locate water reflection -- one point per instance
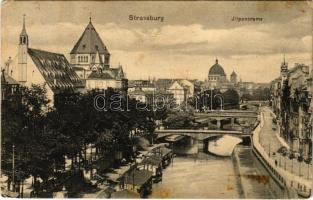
(201, 176)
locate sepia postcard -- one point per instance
(156, 99)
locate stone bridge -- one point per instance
(220, 115)
(200, 134)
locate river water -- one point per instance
(207, 176)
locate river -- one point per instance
(206, 176)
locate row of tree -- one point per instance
(36, 138)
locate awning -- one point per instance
(174, 138)
(138, 177)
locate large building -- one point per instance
(51, 70)
(217, 75)
(217, 78)
(90, 59)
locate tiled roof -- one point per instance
(6, 79)
(56, 70)
(89, 42)
(101, 75)
(110, 73)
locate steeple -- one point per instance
(284, 66)
(23, 35)
(22, 55)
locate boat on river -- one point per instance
(223, 146)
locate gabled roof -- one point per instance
(90, 42)
(56, 70)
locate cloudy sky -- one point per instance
(184, 45)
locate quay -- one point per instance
(286, 179)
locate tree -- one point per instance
(179, 120)
(231, 99)
(23, 116)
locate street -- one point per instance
(271, 143)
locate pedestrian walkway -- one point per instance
(271, 143)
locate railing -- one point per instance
(172, 131)
(283, 177)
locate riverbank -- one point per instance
(254, 183)
(289, 181)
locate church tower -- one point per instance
(233, 78)
(284, 71)
(22, 55)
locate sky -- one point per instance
(185, 45)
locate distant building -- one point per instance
(8, 85)
(181, 89)
(107, 78)
(217, 79)
(151, 97)
(144, 85)
(90, 59)
(48, 69)
(216, 75)
(233, 78)
(179, 92)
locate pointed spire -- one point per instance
(24, 29)
(89, 17)
(216, 61)
(24, 21)
(284, 59)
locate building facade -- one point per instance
(90, 59)
(291, 101)
(48, 69)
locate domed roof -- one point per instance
(217, 69)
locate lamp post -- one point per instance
(211, 98)
(13, 169)
(308, 170)
(299, 168)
